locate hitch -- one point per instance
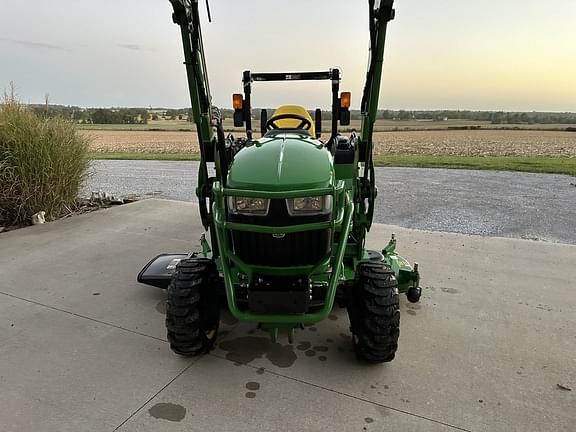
(275, 328)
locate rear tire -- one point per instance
(374, 312)
(192, 309)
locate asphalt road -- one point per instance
(488, 203)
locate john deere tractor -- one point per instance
(287, 209)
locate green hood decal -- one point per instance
(282, 163)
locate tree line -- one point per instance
(142, 115)
(94, 115)
(495, 117)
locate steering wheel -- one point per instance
(304, 122)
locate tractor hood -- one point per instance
(284, 162)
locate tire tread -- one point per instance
(192, 307)
(374, 313)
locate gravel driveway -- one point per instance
(488, 203)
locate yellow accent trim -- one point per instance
(293, 123)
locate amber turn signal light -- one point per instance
(237, 101)
(345, 99)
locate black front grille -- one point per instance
(295, 249)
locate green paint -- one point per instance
(287, 165)
(229, 267)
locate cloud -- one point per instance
(134, 47)
(35, 45)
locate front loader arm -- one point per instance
(380, 15)
(206, 117)
(381, 12)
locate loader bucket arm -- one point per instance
(379, 18)
(205, 116)
(380, 13)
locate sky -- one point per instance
(512, 55)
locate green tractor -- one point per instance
(287, 215)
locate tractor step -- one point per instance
(158, 272)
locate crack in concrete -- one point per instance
(412, 414)
(82, 316)
(156, 394)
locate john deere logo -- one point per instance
(278, 235)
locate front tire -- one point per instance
(374, 312)
(192, 308)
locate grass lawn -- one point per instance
(534, 164)
(498, 163)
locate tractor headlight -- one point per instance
(248, 206)
(309, 206)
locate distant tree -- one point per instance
(79, 115)
(141, 115)
(172, 114)
(497, 117)
(102, 116)
(404, 115)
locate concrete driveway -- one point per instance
(491, 346)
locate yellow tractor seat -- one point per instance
(293, 123)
